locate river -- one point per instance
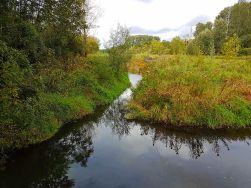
(105, 150)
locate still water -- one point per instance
(105, 150)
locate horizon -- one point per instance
(156, 17)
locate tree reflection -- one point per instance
(197, 141)
(48, 164)
(114, 117)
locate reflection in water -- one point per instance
(51, 161)
(49, 164)
(113, 117)
(74, 148)
(197, 141)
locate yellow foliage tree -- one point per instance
(157, 47)
(232, 46)
(92, 44)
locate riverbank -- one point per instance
(61, 94)
(103, 144)
(194, 91)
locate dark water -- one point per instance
(107, 151)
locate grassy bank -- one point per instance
(195, 91)
(56, 93)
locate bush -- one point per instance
(193, 48)
(246, 41)
(177, 46)
(245, 51)
(231, 47)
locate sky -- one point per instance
(163, 18)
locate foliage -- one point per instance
(32, 109)
(237, 21)
(245, 51)
(34, 26)
(118, 48)
(157, 47)
(200, 27)
(46, 78)
(139, 44)
(137, 63)
(205, 41)
(232, 20)
(220, 34)
(141, 40)
(194, 91)
(177, 46)
(232, 46)
(92, 44)
(246, 41)
(193, 48)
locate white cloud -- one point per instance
(159, 17)
(145, 1)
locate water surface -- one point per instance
(105, 150)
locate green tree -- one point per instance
(193, 48)
(237, 21)
(71, 15)
(246, 41)
(141, 40)
(24, 23)
(219, 33)
(15, 71)
(232, 46)
(200, 27)
(92, 44)
(118, 48)
(205, 41)
(157, 47)
(178, 46)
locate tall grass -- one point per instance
(195, 91)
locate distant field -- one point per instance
(139, 61)
(194, 91)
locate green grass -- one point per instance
(63, 94)
(195, 91)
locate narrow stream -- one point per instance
(105, 150)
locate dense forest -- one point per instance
(50, 68)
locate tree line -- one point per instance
(230, 34)
(42, 27)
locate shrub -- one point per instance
(193, 48)
(177, 46)
(245, 51)
(231, 47)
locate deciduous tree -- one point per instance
(232, 46)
